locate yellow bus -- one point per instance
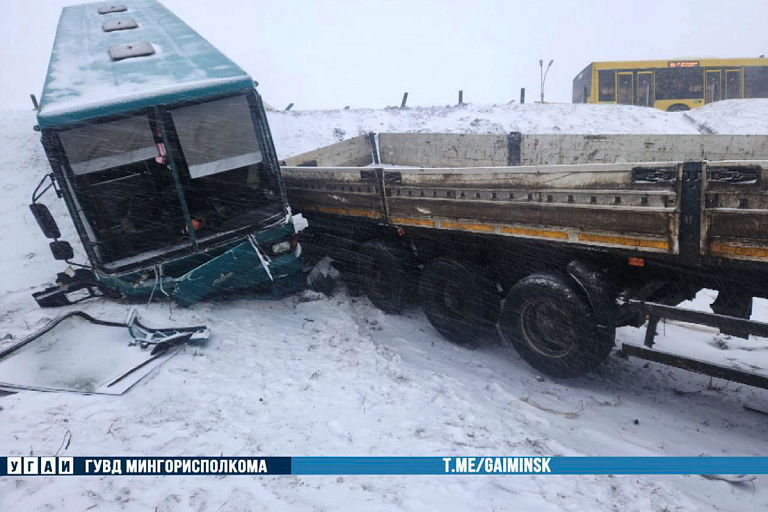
(671, 85)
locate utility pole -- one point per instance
(544, 75)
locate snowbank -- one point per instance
(300, 131)
(734, 117)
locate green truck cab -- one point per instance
(160, 147)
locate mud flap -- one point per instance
(79, 353)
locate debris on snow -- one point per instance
(569, 415)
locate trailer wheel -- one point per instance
(383, 275)
(453, 300)
(552, 328)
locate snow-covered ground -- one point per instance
(312, 375)
(300, 131)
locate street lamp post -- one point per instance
(544, 75)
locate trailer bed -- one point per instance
(699, 212)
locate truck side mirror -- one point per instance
(45, 220)
(62, 250)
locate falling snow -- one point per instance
(318, 375)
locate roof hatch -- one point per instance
(123, 24)
(127, 51)
(112, 8)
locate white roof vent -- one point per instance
(123, 24)
(127, 51)
(112, 8)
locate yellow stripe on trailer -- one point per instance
(412, 222)
(738, 250)
(620, 240)
(354, 212)
(466, 226)
(534, 232)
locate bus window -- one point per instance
(625, 88)
(645, 88)
(732, 84)
(607, 83)
(582, 85)
(756, 82)
(676, 85)
(113, 144)
(120, 183)
(229, 185)
(679, 83)
(713, 85)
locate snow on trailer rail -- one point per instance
(554, 257)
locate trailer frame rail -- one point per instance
(656, 312)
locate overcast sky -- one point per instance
(328, 54)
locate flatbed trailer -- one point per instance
(551, 257)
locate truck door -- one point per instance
(712, 86)
(644, 88)
(625, 90)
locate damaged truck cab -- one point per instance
(160, 147)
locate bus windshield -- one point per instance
(217, 136)
(226, 182)
(119, 177)
(124, 183)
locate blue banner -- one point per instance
(488, 465)
(448, 465)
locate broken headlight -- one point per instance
(284, 246)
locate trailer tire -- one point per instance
(552, 327)
(383, 274)
(453, 300)
(678, 107)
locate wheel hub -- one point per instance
(453, 298)
(548, 329)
